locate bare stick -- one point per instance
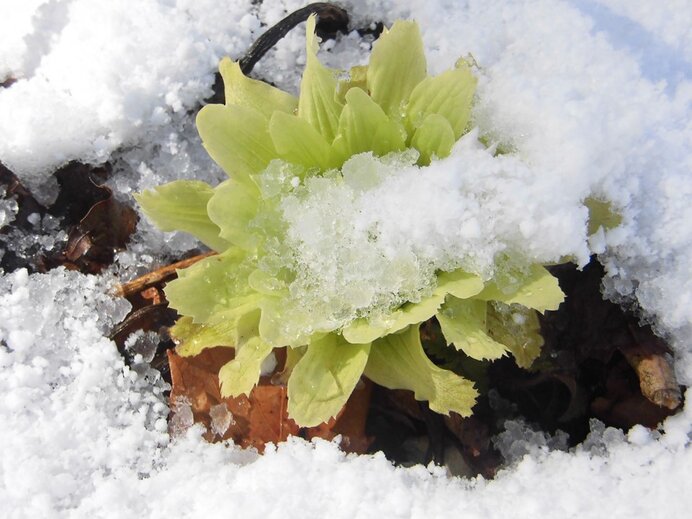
(325, 12)
(656, 378)
(165, 273)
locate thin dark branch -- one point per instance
(328, 15)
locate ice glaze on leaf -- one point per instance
(243, 91)
(463, 324)
(398, 361)
(324, 378)
(241, 374)
(317, 103)
(364, 330)
(539, 290)
(397, 65)
(182, 206)
(237, 138)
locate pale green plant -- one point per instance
(269, 143)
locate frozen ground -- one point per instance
(593, 96)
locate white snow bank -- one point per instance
(669, 22)
(106, 75)
(559, 81)
(82, 436)
(577, 106)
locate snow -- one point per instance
(406, 223)
(593, 97)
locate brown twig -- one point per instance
(656, 378)
(162, 274)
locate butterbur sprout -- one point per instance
(252, 296)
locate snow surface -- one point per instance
(593, 97)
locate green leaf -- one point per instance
(317, 103)
(208, 285)
(463, 324)
(298, 142)
(601, 214)
(267, 284)
(539, 289)
(449, 94)
(233, 206)
(363, 126)
(324, 378)
(237, 138)
(433, 139)
(357, 78)
(398, 361)
(458, 283)
(182, 206)
(397, 65)
(243, 91)
(241, 374)
(364, 330)
(232, 327)
(518, 328)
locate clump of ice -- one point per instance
(520, 439)
(142, 346)
(221, 418)
(8, 208)
(181, 418)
